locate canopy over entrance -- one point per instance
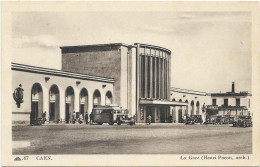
(162, 102)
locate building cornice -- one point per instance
(154, 47)
(187, 91)
(230, 94)
(95, 45)
(61, 73)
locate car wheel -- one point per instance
(100, 123)
(118, 122)
(111, 123)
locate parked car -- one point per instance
(243, 121)
(211, 119)
(194, 119)
(226, 119)
(111, 115)
(35, 122)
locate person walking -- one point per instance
(80, 119)
(44, 117)
(91, 118)
(86, 118)
(73, 117)
(149, 118)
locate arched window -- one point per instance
(83, 102)
(192, 107)
(108, 98)
(69, 104)
(54, 104)
(197, 107)
(96, 98)
(36, 102)
(187, 107)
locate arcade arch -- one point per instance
(36, 102)
(83, 101)
(109, 98)
(54, 104)
(96, 98)
(69, 104)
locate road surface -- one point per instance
(137, 139)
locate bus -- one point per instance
(111, 115)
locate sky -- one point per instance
(210, 50)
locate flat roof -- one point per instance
(98, 45)
(61, 73)
(187, 91)
(161, 102)
(154, 47)
(231, 94)
(116, 44)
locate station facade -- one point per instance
(141, 72)
(56, 92)
(195, 103)
(135, 77)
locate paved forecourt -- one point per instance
(137, 139)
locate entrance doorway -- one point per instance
(162, 115)
(67, 113)
(34, 114)
(54, 104)
(52, 112)
(69, 104)
(82, 109)
(36, 103)
(150, 111)
(83, 102)
(180, 115)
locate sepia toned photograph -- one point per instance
(131, 83)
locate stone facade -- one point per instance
(52, 90)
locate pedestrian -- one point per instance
(44, 117)
(149, 118)
(73, 117)
(134, 118)
(86, 118)
(80, 119)
(91, 118)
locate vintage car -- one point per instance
(210, 119)
(111, 115)
(226, 119)
(243, 121)
(35, 122)
(193, 119)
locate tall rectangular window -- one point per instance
(214, 102)
(248, 103)
(153, 76)
(157, 78)
(142, 75)
(238, 102)
(148, 70)
(225, 102)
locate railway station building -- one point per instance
(141, 72)
(56, 92)
(196, 102)
(135, 77)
